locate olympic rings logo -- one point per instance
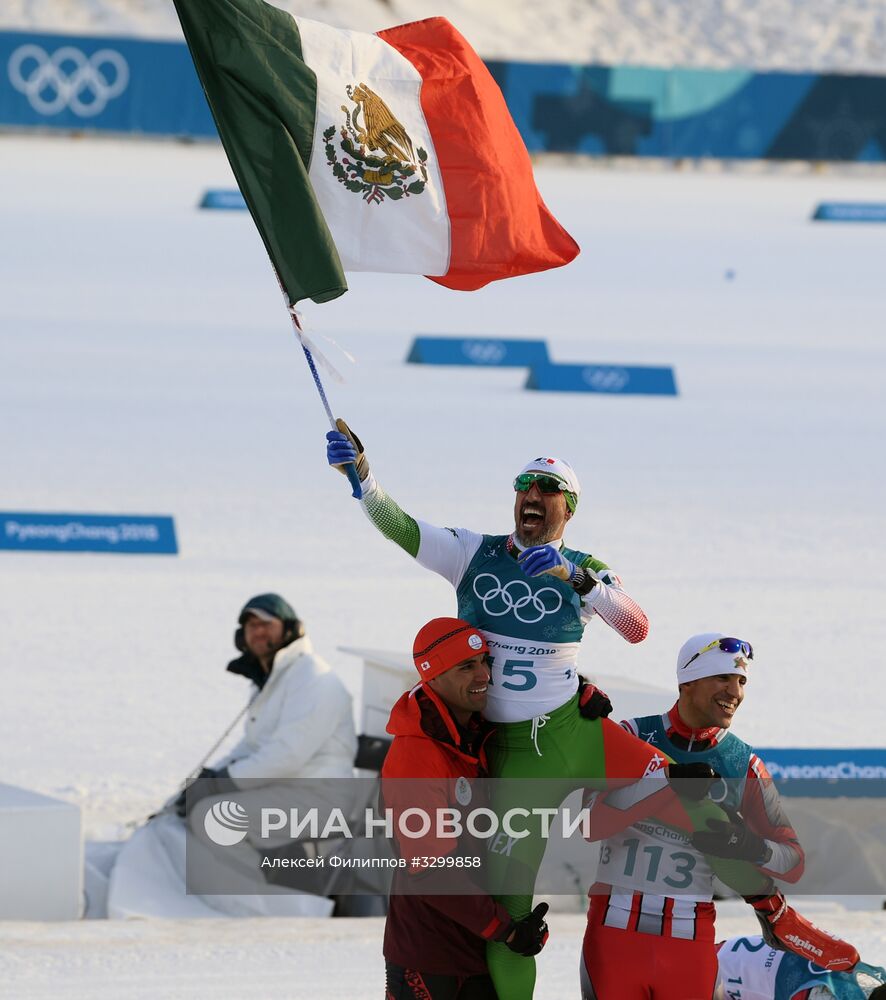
(68, 79)
(516, 596)
(484, 352)
(721, 793)
(605, 379)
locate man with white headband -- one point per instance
(650, 930)
(531, 597)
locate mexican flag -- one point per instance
(386, 152)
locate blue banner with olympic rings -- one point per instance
(109, 84)
(79, 83)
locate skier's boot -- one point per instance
(785, 929)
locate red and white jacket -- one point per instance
(651, 877)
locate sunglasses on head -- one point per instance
(727, 645)
(546, 484)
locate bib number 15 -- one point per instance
(520, 675)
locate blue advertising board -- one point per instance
(847, 211)
(226, 200)
(123, 533)
(492, 352)
(827, 772)
(642, 380)
(679, 112)
(128, 85)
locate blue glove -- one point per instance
(345, 453)
(339, 449)
(539, 559)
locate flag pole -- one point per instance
(350, 468)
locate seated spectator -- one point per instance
(297, 740)
(299, 721)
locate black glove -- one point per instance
(527, 937)
(878, 994)
(207, 782)
(732, 839)
(592, 702)
(692, 781)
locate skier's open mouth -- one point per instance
(532, 515)
(477, 691)
(726, 707)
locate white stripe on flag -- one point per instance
(407, 235)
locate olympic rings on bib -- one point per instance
(516, 596)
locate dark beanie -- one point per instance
(268, 604)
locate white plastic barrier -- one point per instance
(385, 677)
(41, 857)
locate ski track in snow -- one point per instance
(150, 368)
(814, 35)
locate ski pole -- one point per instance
(193, 774)
(133, 823)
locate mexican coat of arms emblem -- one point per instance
(375, 156)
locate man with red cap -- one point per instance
(434, 944)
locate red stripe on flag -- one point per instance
(500, 227)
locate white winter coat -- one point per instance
(300, 724)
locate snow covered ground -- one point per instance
(148, 367)
(282, 959)
(836, 35)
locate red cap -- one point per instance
(443, 643)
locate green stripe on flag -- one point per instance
(263, 99)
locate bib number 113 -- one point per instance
(681, 863)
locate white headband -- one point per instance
(555, 467)
(701, 656)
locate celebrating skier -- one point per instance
(531, 597)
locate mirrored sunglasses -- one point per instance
(546, 484)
